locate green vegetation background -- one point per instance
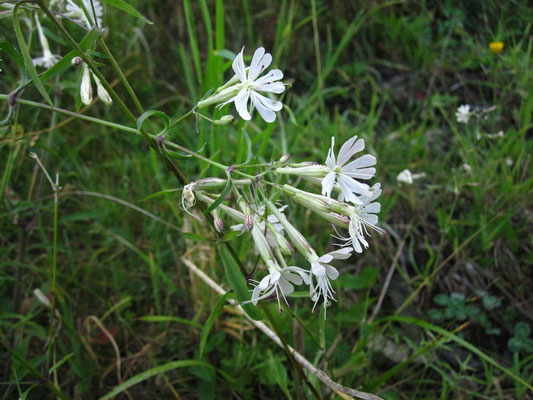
(458, 248)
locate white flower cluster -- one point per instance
(275, 237)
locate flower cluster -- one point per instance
(275, 237)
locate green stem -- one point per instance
(73, 114)
(180, 118)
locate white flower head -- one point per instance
(48, 59)
(463, 114)
(345, 173)
(363, 218)
(76, 12)
(250, 85)
(323, 272)
(405, 177)
(279, 282)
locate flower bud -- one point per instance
(102, 92)
(219, 224)
(284, 159)
(86, 91)
(262, 246)
(248, 221)
(248, 214)
(225, 120)
(282, 243)
(76, 61)
(297, 239)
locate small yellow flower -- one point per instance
(496, 47)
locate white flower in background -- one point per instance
(344, 173)
(76, 12)
(48, 59)
(362, 218)
(279, 282)
(463, 114)
(250, 86)
(405, 177)
(323, 272)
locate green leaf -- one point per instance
(60, 362)
(238, 283)
(167, 318)
(27, 57)
(122, 5)
(490, 302)
(8, 48)
(152, 372)
(230, 55)
(154, 113)
(65, 62)
(210, 321)
(522, 330)
(361, 281)
(222, 196)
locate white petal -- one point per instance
(271, 87)
(346, 189)
(363, 173)
(327, 184)
(241, 103)
(274, 75)
(269, 103)
(86, 91)
(330, 159)
(332, 272)
(373, 208)
(326, 258)
(341, 254)
(349, 148)
(260, 61)
(318, 269)
(294, 278)
(367, 160)
(285, 286)
(267, 114)
(353, 185)
(239, 68)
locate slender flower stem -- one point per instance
(182, 117)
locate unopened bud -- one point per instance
(282, 243)
(219, 224)
(86, 91)
(248, 221)
(284, 159)
(248, 214)
(76, 61)
(225, 120)
(297, 239)
(102, 92)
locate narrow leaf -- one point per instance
(220, 198)
(27, 57)
(122, 5)
(238, 283)
(210, 321)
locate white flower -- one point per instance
(463, 114)
(364, 217)
(48, 59)
(75, 12)
(346, 174)
(279, 281)
(250, 86)
(323, 272)
(405, 177)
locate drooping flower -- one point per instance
(344, 173)
(251, 85)
(322, 272)
(280, 281)
(76, 12)
(86, 90)
(463, 114)
(363, 218)
(48, 59)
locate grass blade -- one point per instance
(210, 321)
